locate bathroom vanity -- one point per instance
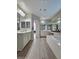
(54, 42)
(23, 37)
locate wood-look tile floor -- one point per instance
(39, 50)
(23, 53)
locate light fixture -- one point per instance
(45, 9)
(21, 12)
(42, 21)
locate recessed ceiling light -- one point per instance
(21, 12)
(42, 22)
(45, 9)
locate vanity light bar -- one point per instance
(21, 12)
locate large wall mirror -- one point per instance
(22, 22)
(49, 27)
(25, 24)
(43, 27)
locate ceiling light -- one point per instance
(21, 12)
(42, 22)
(45, 9)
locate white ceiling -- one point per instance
(37, 7)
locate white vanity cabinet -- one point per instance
(22, 40)
(55, 45)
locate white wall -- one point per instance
(36, 19)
